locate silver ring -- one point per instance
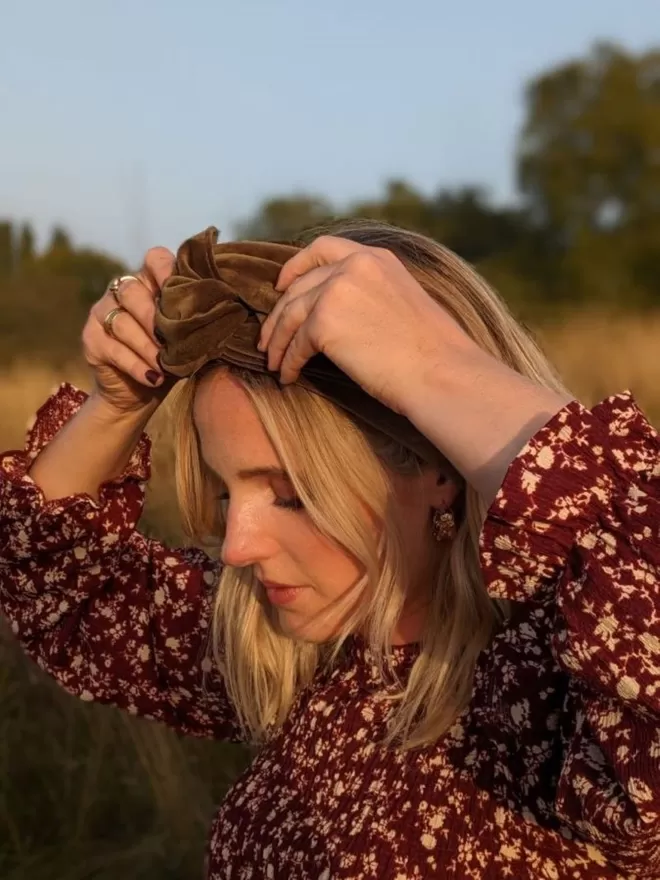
(109, 320)
(116, 284)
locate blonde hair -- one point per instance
(264, 669)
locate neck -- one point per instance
(410, 626)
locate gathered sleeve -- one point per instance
(113, 616)
(579, 514)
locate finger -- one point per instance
(321, 252)
(158, 266)
(120, 285)
(139, 301)
(104, 349)
(302, 285)
(129, 363)
(130, 333)
(288, 323)
(300, 350)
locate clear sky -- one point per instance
(137, 122)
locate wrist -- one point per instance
(107, 415)
(444, 376)
(479, 412)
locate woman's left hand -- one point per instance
(360, 307)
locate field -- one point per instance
(86, 792)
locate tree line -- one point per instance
(582, 231)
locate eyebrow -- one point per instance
(252, 473)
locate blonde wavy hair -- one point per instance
(264, 669)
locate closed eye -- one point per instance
(284, 503)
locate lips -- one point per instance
(281, 594)
(273, 585)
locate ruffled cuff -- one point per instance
(562, 482)
(29, 524)
(59, 409)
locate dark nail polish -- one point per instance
(152, 376)
(159, 336)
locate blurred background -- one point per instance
(524, 136)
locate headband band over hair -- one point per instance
(211, 310)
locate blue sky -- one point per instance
(138, 122)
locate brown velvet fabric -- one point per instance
(212, 309)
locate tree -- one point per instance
(89, 270)
(467, 223)
(402, 205)
(284, 218)
(60, 241)
(6, 248)
(589, 173)
(26, 247)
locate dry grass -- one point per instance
(25, 386)
(604, 353)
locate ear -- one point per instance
(443, 488)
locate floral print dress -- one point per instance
(552, 771)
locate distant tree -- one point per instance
(589, 171)
(26, 246)
(465, 221)
(6, 248)
(60, 241)
(402, 205)
(284, 218)
(89, 270)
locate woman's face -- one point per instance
(268, 530)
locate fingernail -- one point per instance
(159, 336)
(152, 376)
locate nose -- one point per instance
(246, 541)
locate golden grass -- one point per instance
(25, 386)
(599, 354)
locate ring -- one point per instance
(109, 319)
(116, 283)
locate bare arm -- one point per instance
(95, 445)
(479, 413)
(92, 448)
(112, 616)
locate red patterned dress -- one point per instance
(553, 770)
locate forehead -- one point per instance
(228, 425)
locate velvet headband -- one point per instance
(211, 310)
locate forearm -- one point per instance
(91, 448)
(479, 413)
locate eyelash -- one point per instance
(283, 503)
(288, 503)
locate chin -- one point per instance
(304, 630)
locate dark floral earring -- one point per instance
(443, 525)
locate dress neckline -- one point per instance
(362, 665)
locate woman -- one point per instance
(437, 605)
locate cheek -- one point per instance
(414, 528)
(327, 567)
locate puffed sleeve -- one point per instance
(113, 616)
(579, 514)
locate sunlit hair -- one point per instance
(344, 490)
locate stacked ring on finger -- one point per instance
(116, 284)
(109, 320)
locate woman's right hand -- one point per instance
(127, 375)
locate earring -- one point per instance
(444, 525)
